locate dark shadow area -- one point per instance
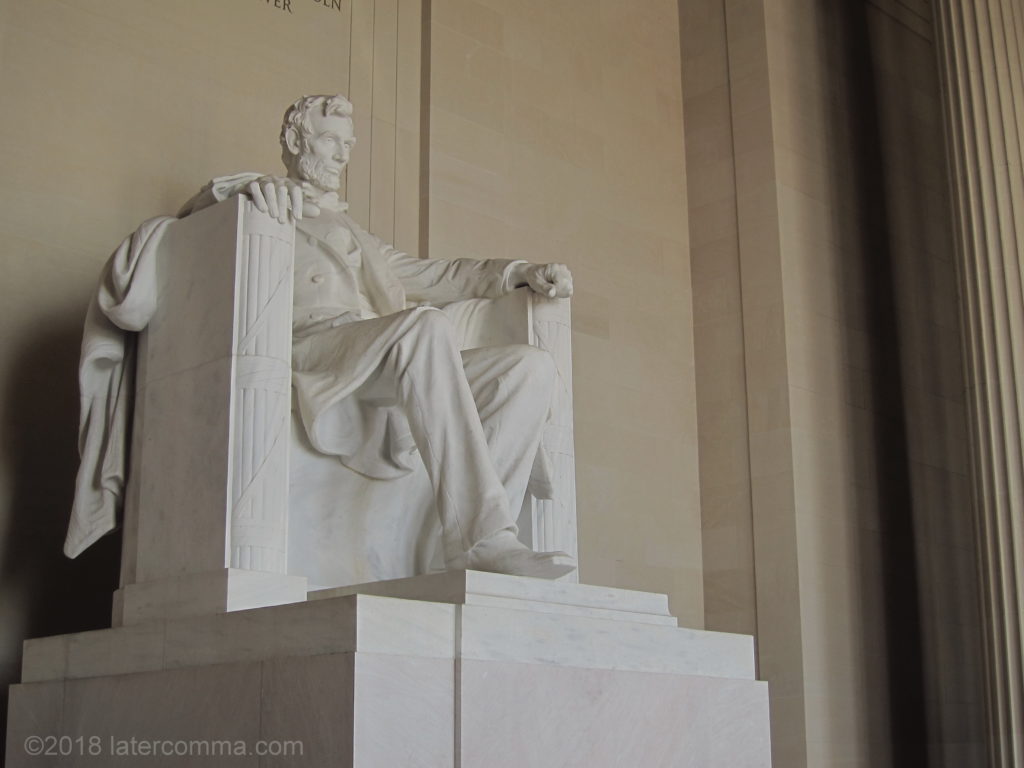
(891, 612)
(48, 594)
(916, 549)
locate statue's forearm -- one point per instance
(217, 190)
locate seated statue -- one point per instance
(378, 377)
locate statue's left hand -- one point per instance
(276, 195)
(551, 280)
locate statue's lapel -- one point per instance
(312, 235)
(386, 292)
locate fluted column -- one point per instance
(980, 56)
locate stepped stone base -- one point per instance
(461, 669)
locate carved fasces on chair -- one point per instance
(262, 395)
(554, 520)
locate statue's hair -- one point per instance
(297, 117)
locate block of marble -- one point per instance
(370, 680)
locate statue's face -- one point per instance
(325, 154)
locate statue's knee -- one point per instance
(537, 365)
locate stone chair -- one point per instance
(227, 506)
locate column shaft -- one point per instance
(979, 48)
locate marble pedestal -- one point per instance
(459, 669)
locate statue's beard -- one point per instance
(312, 170)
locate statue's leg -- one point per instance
(433, 391)
(431, 387)
(512, 386)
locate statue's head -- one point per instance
(316, 139)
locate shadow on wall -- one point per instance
(41, 591)
(890, 580)
(919, 633)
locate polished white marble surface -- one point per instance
(405, 711)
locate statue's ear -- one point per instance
(291, 140)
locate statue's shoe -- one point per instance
(504, 553)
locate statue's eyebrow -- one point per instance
(338, 136)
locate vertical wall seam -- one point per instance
(743, 327)
(348, 84)
(370, 90)
(425, 74)
(394, 145)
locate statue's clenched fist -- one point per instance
(551, 280)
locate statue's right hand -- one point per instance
(276, 195)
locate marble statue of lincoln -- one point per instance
(374, 359)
